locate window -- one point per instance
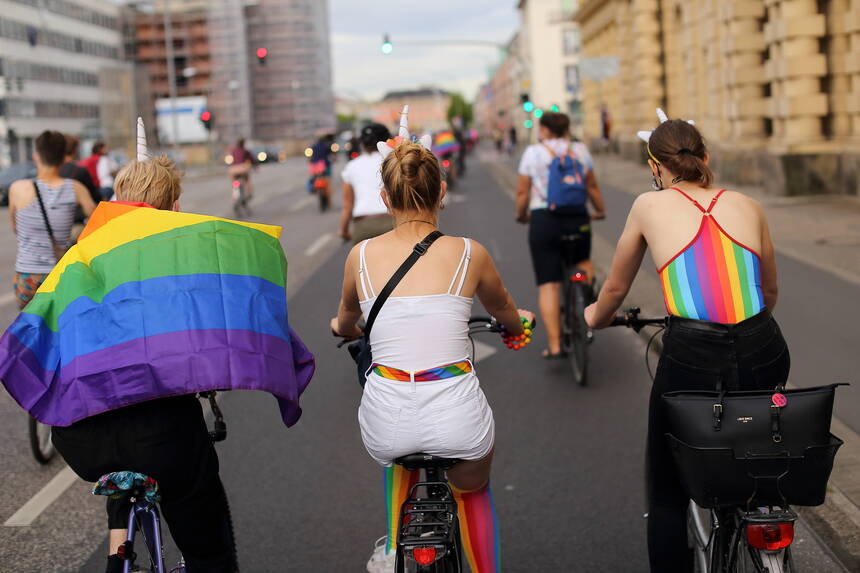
(570, 41)
(571, 76)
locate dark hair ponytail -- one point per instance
(680, 147)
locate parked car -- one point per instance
(11, 174)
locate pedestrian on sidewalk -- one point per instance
(42, 212)
(91, 163)
(362, 190)
(720, 288)
(107, 169)
(72, 170)
(551, 217)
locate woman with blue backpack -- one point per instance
(556, 184)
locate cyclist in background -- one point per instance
(72, 170)
(362, 190)
(240, 167)
(549, 222)
(719, 291)
(448, 414)
(166, 438)
(320, 169)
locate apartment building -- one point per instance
(62, 67)
(774, 85)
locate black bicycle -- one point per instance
(144, 517)
(731, 539)
(240, 196)
(577, 293)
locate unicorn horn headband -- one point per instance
(646, 135)
(386, 147)
(142, 150)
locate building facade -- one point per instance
(428, 109)
(62, 67)
(774, 85)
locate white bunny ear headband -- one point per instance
(646, 135)
(386, 147)
(142, 150)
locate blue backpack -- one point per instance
(566, 190)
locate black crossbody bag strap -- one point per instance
(44, 213)
(417, 252)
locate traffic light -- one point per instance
(261, 56)
(554, 109)
(206, 119)
(538, 113)
(528, 124)
(387, 46)
(528, 105)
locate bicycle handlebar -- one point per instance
(631, 319)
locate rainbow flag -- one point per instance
(444, 142)
(151, 304)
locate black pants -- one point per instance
(546, 230)
(698, 355)
(166, 439)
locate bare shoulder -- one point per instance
(741, 199)
(21, 186)
(647, 202)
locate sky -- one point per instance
(361, 70)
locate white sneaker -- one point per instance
(379, 562)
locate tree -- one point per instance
(459, 107)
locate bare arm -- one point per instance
(625, 264)
(346, 212)
(492, 292)
(84, 199)
(524, 185)
(768, 263)
(349, 310)
(595, 196)
(14, 192)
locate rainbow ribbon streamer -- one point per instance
(439, 373)
(151, 304)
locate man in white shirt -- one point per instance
(106, 169)
(362, 190)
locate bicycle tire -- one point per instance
(578, 352)
(40, 441)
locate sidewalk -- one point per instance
(821, 231)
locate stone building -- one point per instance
(774, 85)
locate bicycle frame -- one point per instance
(144, 515)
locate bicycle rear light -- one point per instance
(770, 536)
(426, 555)
(446, 164)
(236, 183)
(578, 277)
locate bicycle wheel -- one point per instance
(699, 536)
(40, 441)
(578, 352)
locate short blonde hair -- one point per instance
(155, 181)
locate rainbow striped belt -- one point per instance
(439, 373)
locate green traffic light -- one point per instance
(528, 124)
(528, 106)
(554, 109)
(538, 113)
(387, 48)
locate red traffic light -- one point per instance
(205, 116)
(262, 53)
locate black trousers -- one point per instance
(698, 355)
(166, 439)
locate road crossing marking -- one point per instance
(45, 497)
(317, 245)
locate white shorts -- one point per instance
(447, 418)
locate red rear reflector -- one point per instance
(770, 536)
(424, 555)
(446, 163)
(236, 183)
(578, 278)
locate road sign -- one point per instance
(599, 68)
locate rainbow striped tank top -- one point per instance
(714, 278)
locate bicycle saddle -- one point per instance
(121, 484)
(421, 461)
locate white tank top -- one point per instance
(416, 333)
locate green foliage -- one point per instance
(459, 107)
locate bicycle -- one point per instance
(428, 532)
(40, 441)
(730, 539)
(577, 293)
(144, 516)
(240, 197)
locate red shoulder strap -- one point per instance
(714, 200)
(696, 203)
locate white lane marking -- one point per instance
(45, 497)
(483, 351)
(317, 245)
(7, 298)
(303, 203)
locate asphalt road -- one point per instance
(567, 476)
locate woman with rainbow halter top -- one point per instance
(715, 262)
